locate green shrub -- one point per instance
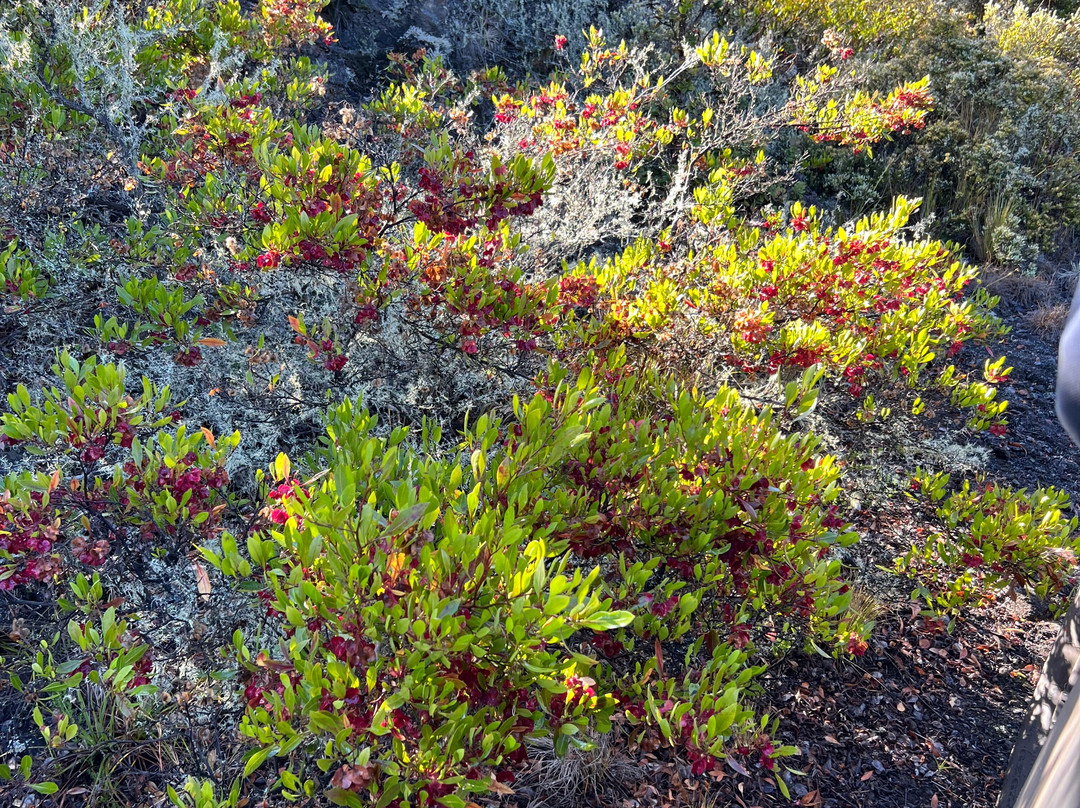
(869, 306)
(994, 165)
(1042, 35)
(861, 23)
(432, 608)
(112, 468)
(88, 691)
(19, 279)
(991, 537)
(202, 794)
(621, 555)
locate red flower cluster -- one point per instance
(322, 348)
(268, 260)
(245, 101)
(459, 196)
(260, 214)
(184, 477)
(91, 553)
(28, 537)
(189, 356)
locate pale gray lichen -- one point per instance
(436, 45)
(965, 457)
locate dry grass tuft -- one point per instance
(865, 607)
(580, 777)
(1017, 289)
(1048, 320)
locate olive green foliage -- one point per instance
(433, 607)
(859, 23)
(991, 537)
(996, 165)
(1052, 40)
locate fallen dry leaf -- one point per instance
(202, 580)
(19, 631)
(737, 767)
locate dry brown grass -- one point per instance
(1017, 289)
(865, 606)
(1048, 320)
(580, 777)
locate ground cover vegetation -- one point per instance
(499, 422)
